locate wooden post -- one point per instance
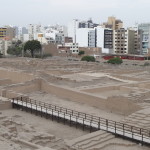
(31, 108)
(46, 113)
(58, 117)
(36, 110)
(22, 103)
(76, 122)
(26, 105)
(52, 114)
(41, 111)
(64, 118)
(90, 126)
(83, 124)
(123, 129)
(70, 120)
(115, 127)
(107, 124)
(13, 104)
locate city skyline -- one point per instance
(48, 12)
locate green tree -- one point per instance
(88, 58)
(32, 46)
(115, 60)
(16, 48)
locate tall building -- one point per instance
(137, 40)
(87, 24)
(74, 25)
(33, 30)
(56, 34)
(86, 37)
(104, 39)
(7, 33)
(124, 41)
(113, 23)
(95, 37)
(145, 27)
(4, 45)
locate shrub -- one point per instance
(81, 53)
(115, 60)
(46, 55)
(88, 58)
(146, 64)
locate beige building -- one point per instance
(113, 23)
(7, 33)
(124, 41)
(127, 41)
(137, 40)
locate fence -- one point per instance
(82, 119)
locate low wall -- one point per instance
(108, 88)
(4, 82)
(26, 87)
(119, 105)
(128, 78)
(5, 103)
(76, 96)
(15, 76)
(97, 90)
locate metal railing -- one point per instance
(87, 120)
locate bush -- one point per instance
(1, 55)
(88, 58)
(146, 64)
(81, 53)
(115, 60)
(46, 55)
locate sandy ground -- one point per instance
(52, 99)
(44, 125)
(76, 75)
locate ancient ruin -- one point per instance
(120, 93)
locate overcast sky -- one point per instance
(48, 12)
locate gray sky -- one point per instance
(24, 12)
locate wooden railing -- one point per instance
(136, 133)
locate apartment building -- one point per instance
(86, 37)
(137, 40)
(124, 41)
(145, 27)
(56, 34)
(113, 23)
(75, 24)
(7, 33)
(68, 49)
(87, 24)
(4, 45)
(72, 27)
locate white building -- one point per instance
(41, 38)
(56, 33)
(4, 45)
(72, 29)
(72, 47)
(33, 30)
(145, 27)
(85, 37)
(104, 38)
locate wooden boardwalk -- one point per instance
(81, 119)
